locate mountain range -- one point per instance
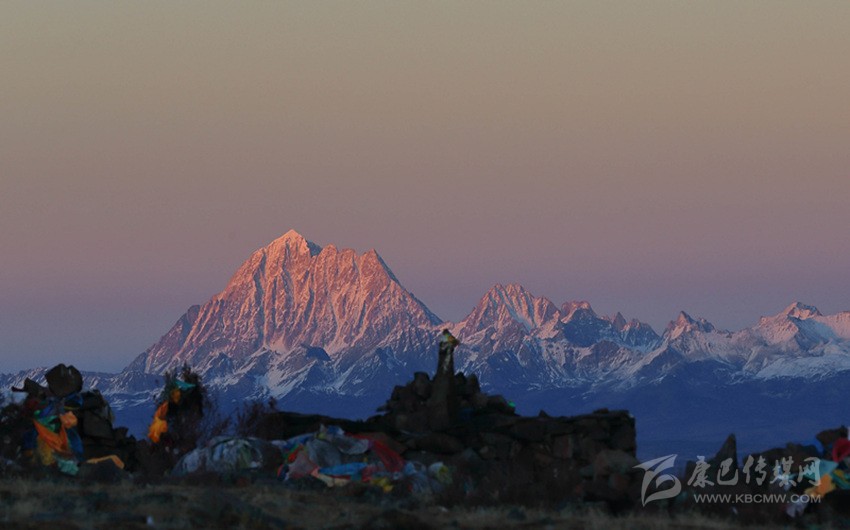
(328, 330)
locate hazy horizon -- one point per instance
(647, 157)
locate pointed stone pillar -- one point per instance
(442, 405)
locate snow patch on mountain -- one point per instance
(325, 327)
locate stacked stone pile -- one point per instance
(93, 416)
(100, 437)
(590, 457)
(496, 454)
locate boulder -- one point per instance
(529, 430)
(437, 442)
(64, 380)
(498, 446)
(611, 461)
(421, 385)
(563, 447)
(499, 404)
(478, 400)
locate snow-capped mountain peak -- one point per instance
(684, 323)
(685, 320)
(570, 308)
(801, 311)
(294, 242)
(619, 322)
(291, 295)
(507, 306)
(298, 321)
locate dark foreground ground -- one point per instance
(59, 504)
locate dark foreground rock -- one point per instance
(495, 454)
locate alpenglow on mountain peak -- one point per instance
(327, 328)
(294, 241)
(801, 311)
(294, 295)
(298, 318)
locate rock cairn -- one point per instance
(497, 455)
(589, 457)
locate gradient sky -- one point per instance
(646, 156)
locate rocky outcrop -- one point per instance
(495, 454)
(511, 457)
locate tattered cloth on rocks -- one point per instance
(54, 440)
(175, 392)
(337, 458)
(812, 478)
(329, 455)
(829, 476)
(69, 426)
(226, 454)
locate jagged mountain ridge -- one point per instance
(300, 318)
(328, 330)
(296, 314)
(296, 317)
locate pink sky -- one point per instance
(646, 156)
